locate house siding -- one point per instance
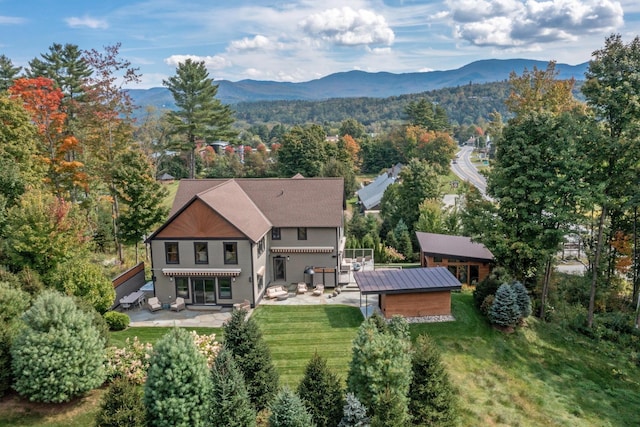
(484, 268)
(416, 304)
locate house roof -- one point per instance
(452, 246)
(371, 195)
(407, 280)
(284, 202)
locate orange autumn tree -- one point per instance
(42, 100)
(435, 147)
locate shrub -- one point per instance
(130, 362)
(505, 311)
(354, 413)
(86, 280)
(489, 285)
(58, 354)
(97, 320)
(177, 389)
(230, 404)
(13, 303)
(243, 337)
(522, 299)
(433, 399)
(321, 392)
(287, 410)
(116, 321)
(6, 379)
(207, 345)
(122, 406)
(486, 304)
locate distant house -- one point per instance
(411, 292)
(227, 240)
(166, 178)
(370, 195)
(468, 261)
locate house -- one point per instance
(468, 261)
(370, 195)
(227, 240)
(411, 292)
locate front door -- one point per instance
(279, 269)
(204, 291)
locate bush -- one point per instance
(522, 299)
(116, 321)
(178, 388)
(85, 280)
(505, 311)
(130, 362)
(96, 319)
(489, 286)
(6, 379)
(321, 392)
(59, 354)
(122, 406)
(354, 413)
(287, 410)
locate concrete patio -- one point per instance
(349, 295)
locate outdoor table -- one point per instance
(136, 297)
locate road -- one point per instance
(466, 171)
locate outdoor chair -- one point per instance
(178, 304)
(302, 288)
(154, 304)
(318, 290)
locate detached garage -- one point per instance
(413, 292)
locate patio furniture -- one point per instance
(276, 291)
(302, 288)
(244, 305)
(137, 297)
(153, 304)
(318, 290)
(178, 304)
(283, 297)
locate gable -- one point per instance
(199, 221)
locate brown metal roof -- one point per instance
(406, 281)
(459, 247)
(285, 202)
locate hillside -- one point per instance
(353, 84)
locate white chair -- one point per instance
(154, 304)
(178, 304)
(318, 290)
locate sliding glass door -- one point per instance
(204, 291)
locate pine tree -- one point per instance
(287, 410)
(505, 311)
(230, 404)
(523, 299)
(433, 400)
(8, 73)
(354, 413)
(243, 338)
(122, 406)
(178, 387)
(321, 392)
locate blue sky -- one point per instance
(301, 40)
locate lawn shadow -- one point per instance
(343, 316)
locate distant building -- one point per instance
(370, 195)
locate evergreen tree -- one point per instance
(8, 73)
(199, 114)
(354, 413)
(403, 239)
(58, 355)
(505, 311)
(321, 392)
(122, 406)
(230, 404)
(287, 410)
(522, 298)
(433, 400)
(244, 339)
(178, 386)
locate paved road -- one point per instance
(466, 171)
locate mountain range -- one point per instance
(354, 84)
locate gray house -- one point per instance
(227, 240)
(370, 195)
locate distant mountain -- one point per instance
(353, 84)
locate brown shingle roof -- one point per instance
(406, 280)
(285, 202)
(452, 246)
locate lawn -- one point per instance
(538, 376)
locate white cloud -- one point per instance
(215, 62)
(11, 20)
(258, 42)
(513, 23)
(88, 22)
(347, 26)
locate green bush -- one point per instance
(354, 413)
(489, 286)
(116, 321)
(178, 387)
(505, 311)
(287, 410)
(86, 280)
(122, 406)
(6, 379)
(522, 299)
(58, 355)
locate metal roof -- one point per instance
(408, 280)
(453, 247)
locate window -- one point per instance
(275, 233)
(302, 233)
(261, 246)
(202, 253)
(230, 253)
(171, 251)
(437, 258)
(182, 287)
(224, 287)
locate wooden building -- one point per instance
(412, 292)
(468, 261)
